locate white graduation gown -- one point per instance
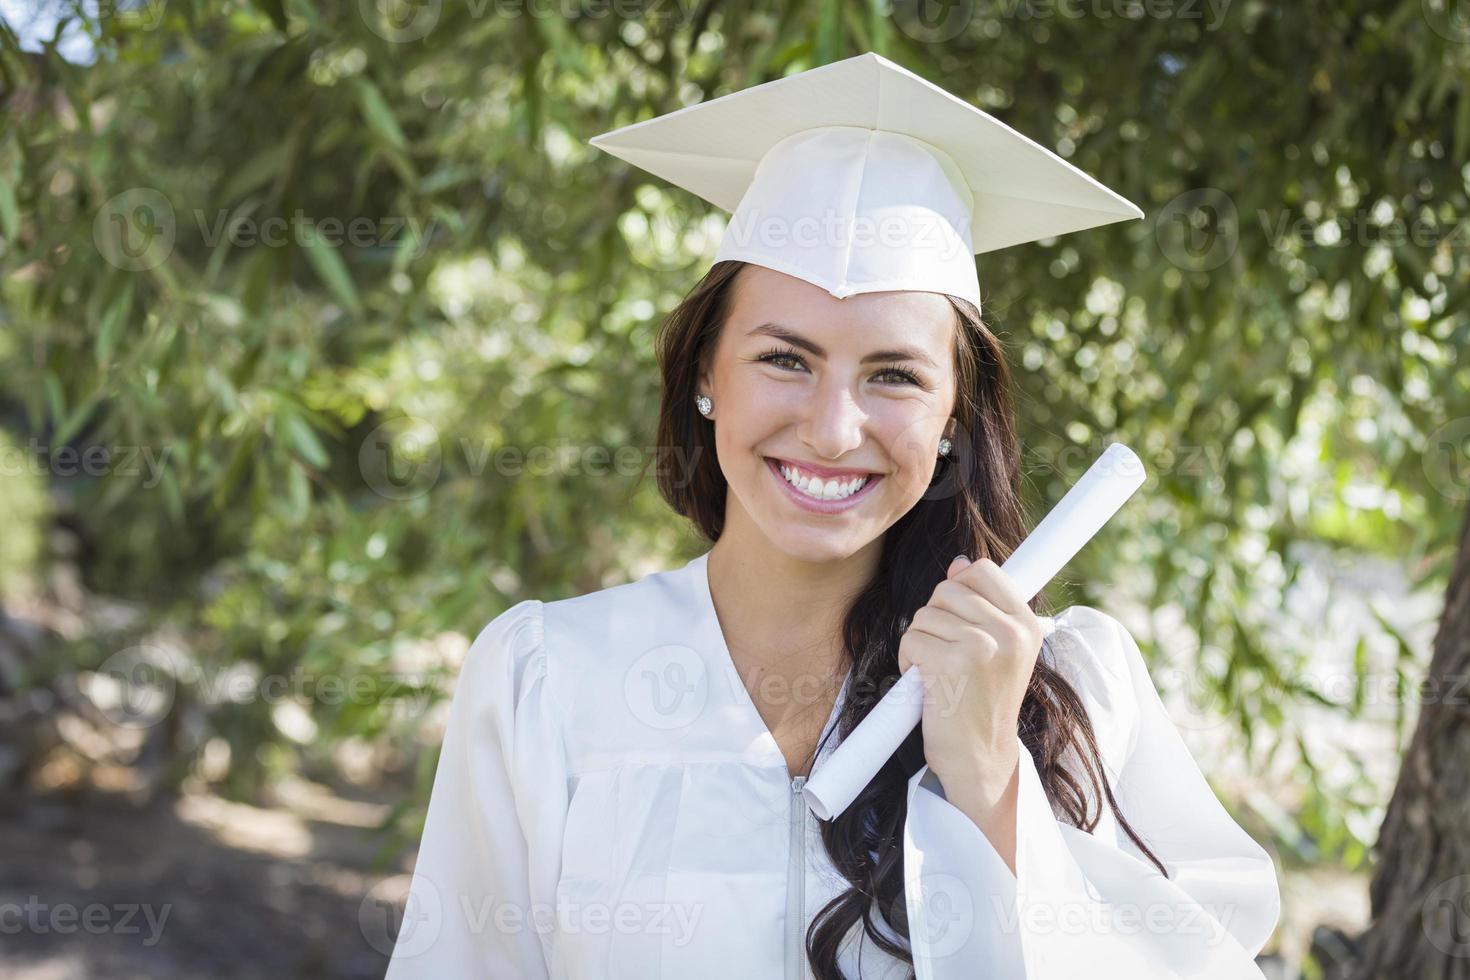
(609, 803)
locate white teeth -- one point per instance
(823, 489)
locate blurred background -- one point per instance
(327, 337)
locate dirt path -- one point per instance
(193, 887)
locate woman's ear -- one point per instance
(704, 383)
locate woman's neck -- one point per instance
(782, 615)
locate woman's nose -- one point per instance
(834, 423)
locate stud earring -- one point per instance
(945, 446)
(704, 405)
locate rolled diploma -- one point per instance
(1083, 510)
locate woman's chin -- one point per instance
(802, 541)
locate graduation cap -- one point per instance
(861, 176)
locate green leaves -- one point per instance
(302, 440)
(9, 210)
(391, 143)
(113, 322)
(275, 10)
(327, 260)
(1283, 400)
(379, 117)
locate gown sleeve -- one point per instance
(1079, 900)
(480, 902)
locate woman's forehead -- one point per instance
(910, 318)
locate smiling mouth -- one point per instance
(828, 489)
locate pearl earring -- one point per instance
(945, 446)
(704, 405)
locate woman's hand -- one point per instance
(975, 644)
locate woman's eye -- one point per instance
(903, 376)
(775, 358)
(891, 375)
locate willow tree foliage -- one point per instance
(356, 328)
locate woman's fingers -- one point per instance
(931, 632)
(987, 578)
(976, 607)
(942, 624)
(989, 603)
(961, 599)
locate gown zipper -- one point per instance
(796, 884)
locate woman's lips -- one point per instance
(821, 506)
(825, 472)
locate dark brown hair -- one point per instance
(973, 508)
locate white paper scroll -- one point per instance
(1079, 515)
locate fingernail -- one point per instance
(956, 558)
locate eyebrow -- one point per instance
(797, 340)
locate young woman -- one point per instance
(619, 790)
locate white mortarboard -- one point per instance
(861, 176)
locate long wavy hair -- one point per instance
(973, 508)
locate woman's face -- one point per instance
(852, 393)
